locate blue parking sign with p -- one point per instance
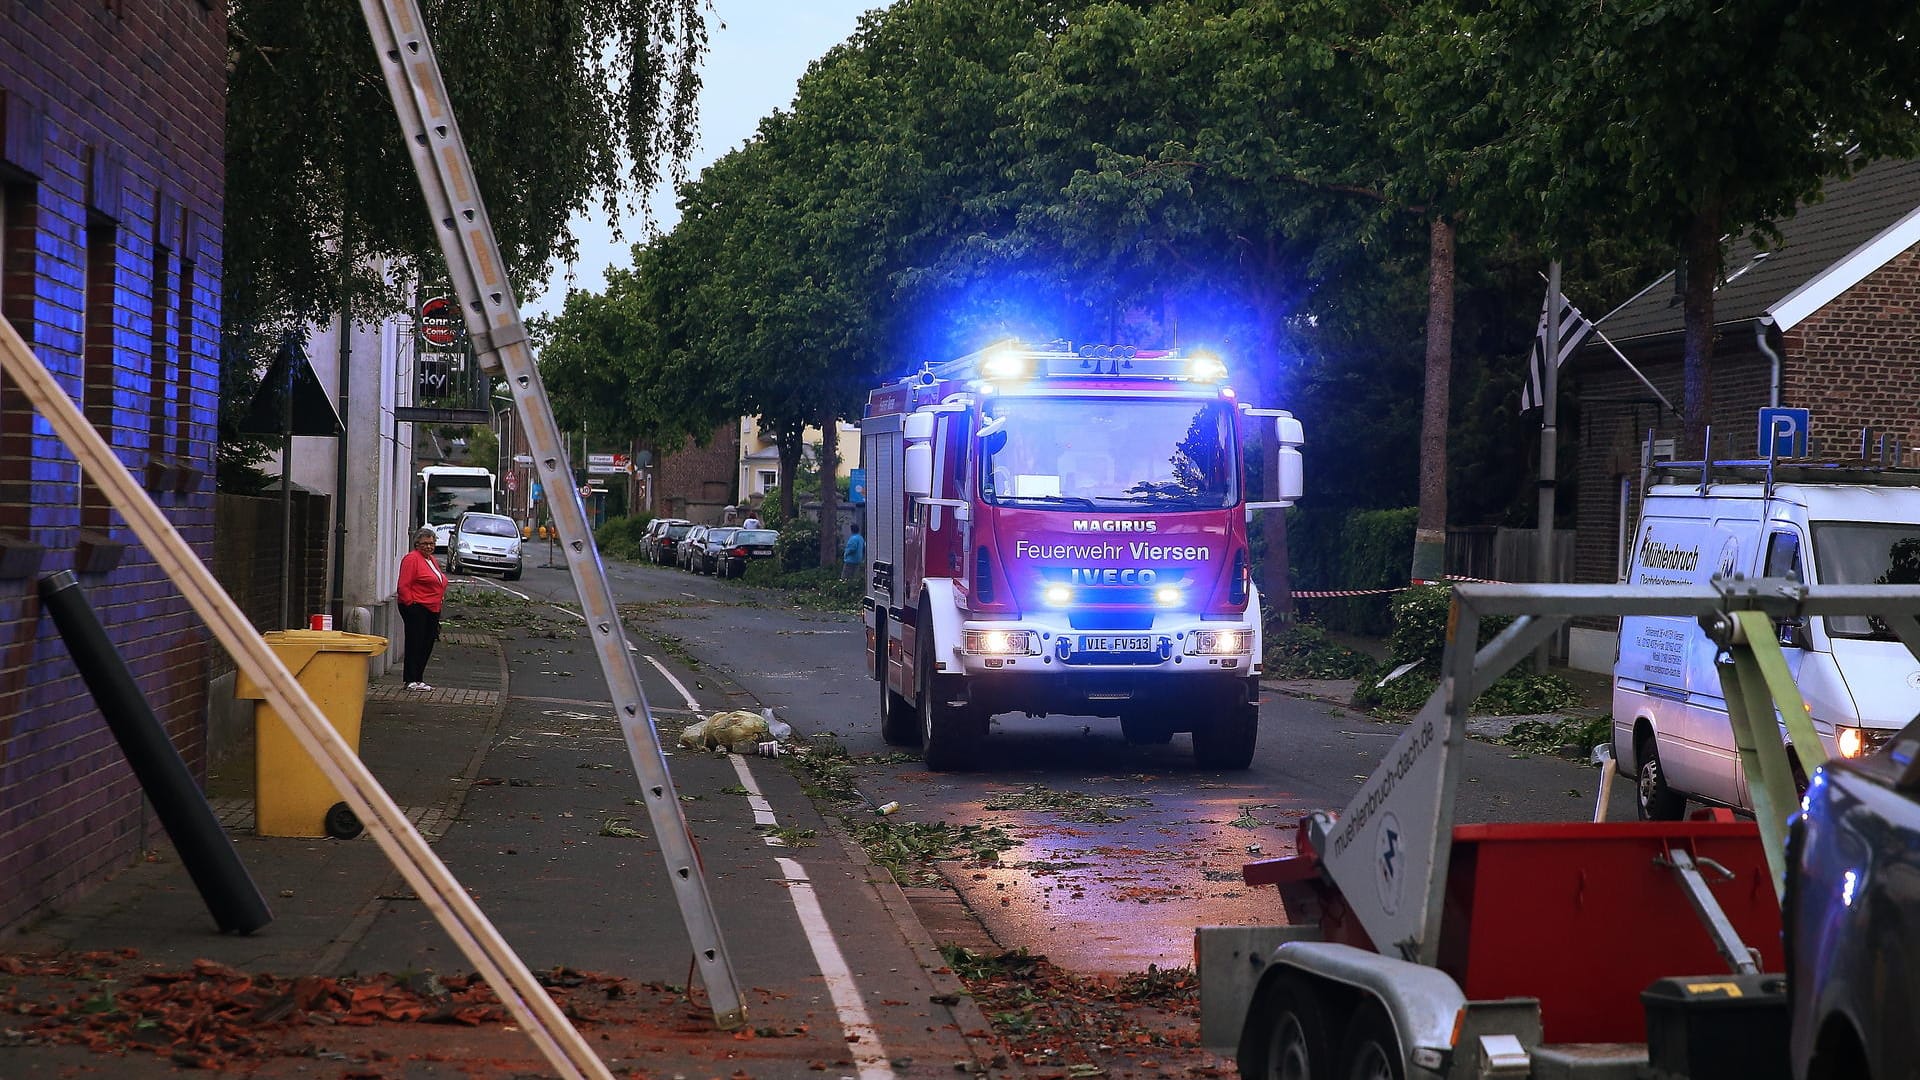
(1783, 432)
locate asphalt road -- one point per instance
(1122, 850)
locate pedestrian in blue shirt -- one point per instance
(854, 555)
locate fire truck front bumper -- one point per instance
(1105, 673)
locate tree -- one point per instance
(1691, 121)
(550, 94)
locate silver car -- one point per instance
(488, 542)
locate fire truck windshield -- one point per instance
(1115, 454)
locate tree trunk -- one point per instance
(787, 439)
(830, 490)
(1702, 256)
(1430, 531)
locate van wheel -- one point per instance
(1653, 798)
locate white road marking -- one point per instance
(862, 1040)
(492, 584)
(685, 695)
(762, 809)
(569, 611)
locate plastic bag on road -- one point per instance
(739, 731)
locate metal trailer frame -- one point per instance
(1388, 852)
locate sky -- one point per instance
(758, 49)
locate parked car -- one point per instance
(1852, 943)
(486, 542)
(689, 546)
(747, 545)
(705, 557)
(659, 540)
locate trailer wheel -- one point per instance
(1226, 740)
(1286, 1035)
(947, 733)
(1371, 1050)
(1653, 798)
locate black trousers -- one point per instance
(423, 629)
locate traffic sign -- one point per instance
(439, 321)
(513, 481)
(1783, 432)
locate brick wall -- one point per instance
(247, 559)
(1616, 412)
(111, 120)
(696, 482)
(1856, 362)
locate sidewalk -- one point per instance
(354, 979)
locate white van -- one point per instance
(1827, 525)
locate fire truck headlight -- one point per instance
(1220, 642)
(1006, 363)
(1166, 595)
(1204, 366)
(1001, 642)
(1057, 595)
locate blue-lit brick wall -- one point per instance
(112, 113)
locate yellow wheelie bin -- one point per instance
(291, 795)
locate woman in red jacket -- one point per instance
(423, 585)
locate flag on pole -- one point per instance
(1574, 329)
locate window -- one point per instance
(188, 317)
(161, 355)
(1865, 553)
(1109, 454)
(97, 355)
(18, 247)
(1783, 556)
(768, 478)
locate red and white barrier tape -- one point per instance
(1326, 594)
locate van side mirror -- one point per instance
(1793, 633)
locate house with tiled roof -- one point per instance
(1827, 319)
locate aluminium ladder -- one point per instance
(492, 316)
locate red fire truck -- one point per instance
(1055, 529)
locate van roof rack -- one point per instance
(1778, 471)
(1769, 471)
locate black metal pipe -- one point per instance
(204, 847)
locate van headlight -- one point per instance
(1220, 642)
(1001, 642)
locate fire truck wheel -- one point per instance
(1146, 730)
(899, 726)
(1226, 741)
(948, 734)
